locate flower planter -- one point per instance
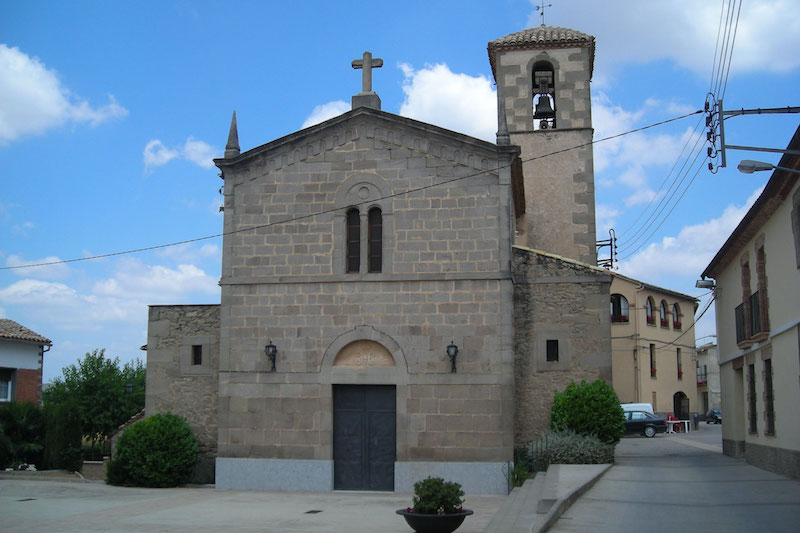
(434, 523)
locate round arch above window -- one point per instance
(619, 308)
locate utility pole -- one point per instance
(611, 243)
(715, 122)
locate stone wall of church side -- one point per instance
(177, 385)
(562, 301)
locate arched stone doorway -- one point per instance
(364, 367)
(680, 405)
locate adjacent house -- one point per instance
(708, 391)
(652, 341)
(21, 355)
(757, 273)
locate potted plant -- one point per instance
(436, 506)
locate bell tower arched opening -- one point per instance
(544, 96)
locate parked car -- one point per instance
(715, 416)
(646, 407)
(644, 423)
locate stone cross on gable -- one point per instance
(366, 64)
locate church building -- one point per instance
(398, 300)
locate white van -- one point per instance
(647, 407)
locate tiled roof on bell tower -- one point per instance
(541, 37)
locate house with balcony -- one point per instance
(652, 344)
(757, 273)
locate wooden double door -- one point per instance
(364, 437)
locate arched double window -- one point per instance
(663, 314)
(649, 308)
(619, 308)
(374, 234)
(374, 240)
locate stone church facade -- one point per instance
(377, 324)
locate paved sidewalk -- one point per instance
(682, 482)
(30, 506)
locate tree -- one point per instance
(96, 389)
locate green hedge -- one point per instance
(159, 451)
(62, 442)
(589, 409)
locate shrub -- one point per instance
(62, 443)
(23, 425)
(6, 451)
(521, 468)
(159, 451)
(434, 495)
(568, 447)
(589, 409)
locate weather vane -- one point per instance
(541, 8)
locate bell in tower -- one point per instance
(544, 113)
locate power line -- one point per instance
(665, 200)
(730, 56)
(331, 210)
(660, 187)
(667, 197)
(669, 213)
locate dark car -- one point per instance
(644, 423)
(715, 416)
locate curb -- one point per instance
(562, 504)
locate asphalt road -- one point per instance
(684, 483)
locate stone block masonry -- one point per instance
(559, 300)
(182, 373)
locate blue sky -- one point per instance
(110, 113)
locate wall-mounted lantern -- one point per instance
(452, 353)
(271, 350)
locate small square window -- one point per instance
(552, 350)
(197, 354)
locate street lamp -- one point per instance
(452, 352)
(748, 166)
(271, 351)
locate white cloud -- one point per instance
(631, 39)
(199, 152)
(23, 228)
(56, 271)
(134, 280)
(188, 253)
(463, 103)
(37, 292)
(690, 250)
(323, 112)
(120, 299)
(157, 154)
(628, 162)
(32, 99)
(606, 218)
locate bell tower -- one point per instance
(543, 77)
